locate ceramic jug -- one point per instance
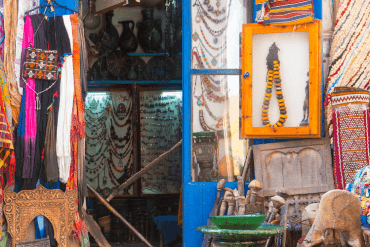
(149, 33)
(109, 37)
(128, 42)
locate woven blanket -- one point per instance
(351, 133)
(349, 54)
(287, 12)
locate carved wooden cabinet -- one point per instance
(302, 167)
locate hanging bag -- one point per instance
(40, 64)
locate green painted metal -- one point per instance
(238, 244)
(261, 233)
(239, 222)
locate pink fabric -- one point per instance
(31, 124)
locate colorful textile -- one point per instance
(30, 110)
(351, 133)
(2, 31)
(77, 130)
(5, 95)
(6, 141)
(23, 6)
(10, 24)
(288, 12)
(349, 51)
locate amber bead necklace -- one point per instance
(274, 76)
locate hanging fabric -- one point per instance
(23, 6)
(30, 111)
(10, 24)
(65, 110)
(349, 52)
(351, 133)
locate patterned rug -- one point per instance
(350, 133)
(349, 52)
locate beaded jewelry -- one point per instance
(202, 11)
(212, 47)
(211, 9)
(214, 60)
(273, 77)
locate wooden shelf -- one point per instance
(99, 82)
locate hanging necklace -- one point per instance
(214, 60)
(88, 110)
(202, 102)
(121, 165)
(95, 169)
(212, 9)
(196, 37)
(202, 11)
(213, 97)
(214, 33)
(273, 76)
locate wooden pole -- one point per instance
(129, 226)
(246, 164)
(143, 171)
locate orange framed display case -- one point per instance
(313, 88)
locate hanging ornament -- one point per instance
(120, 163)
(195, 36)
(214, 62)
(197, 18)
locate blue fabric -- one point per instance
(53, 186)
(169, 227)
(39, 223)
(39, 220)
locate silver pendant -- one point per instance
(214, 61)
(37, 103)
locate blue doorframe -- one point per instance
(198, 197)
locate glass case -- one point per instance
(109, 140)
(217, 149)
(160, 129)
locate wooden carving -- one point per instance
(302, 167)
(45, 242)
(338, 218)
(21, 208)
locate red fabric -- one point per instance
(351, 142)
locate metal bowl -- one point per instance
(239, 222)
